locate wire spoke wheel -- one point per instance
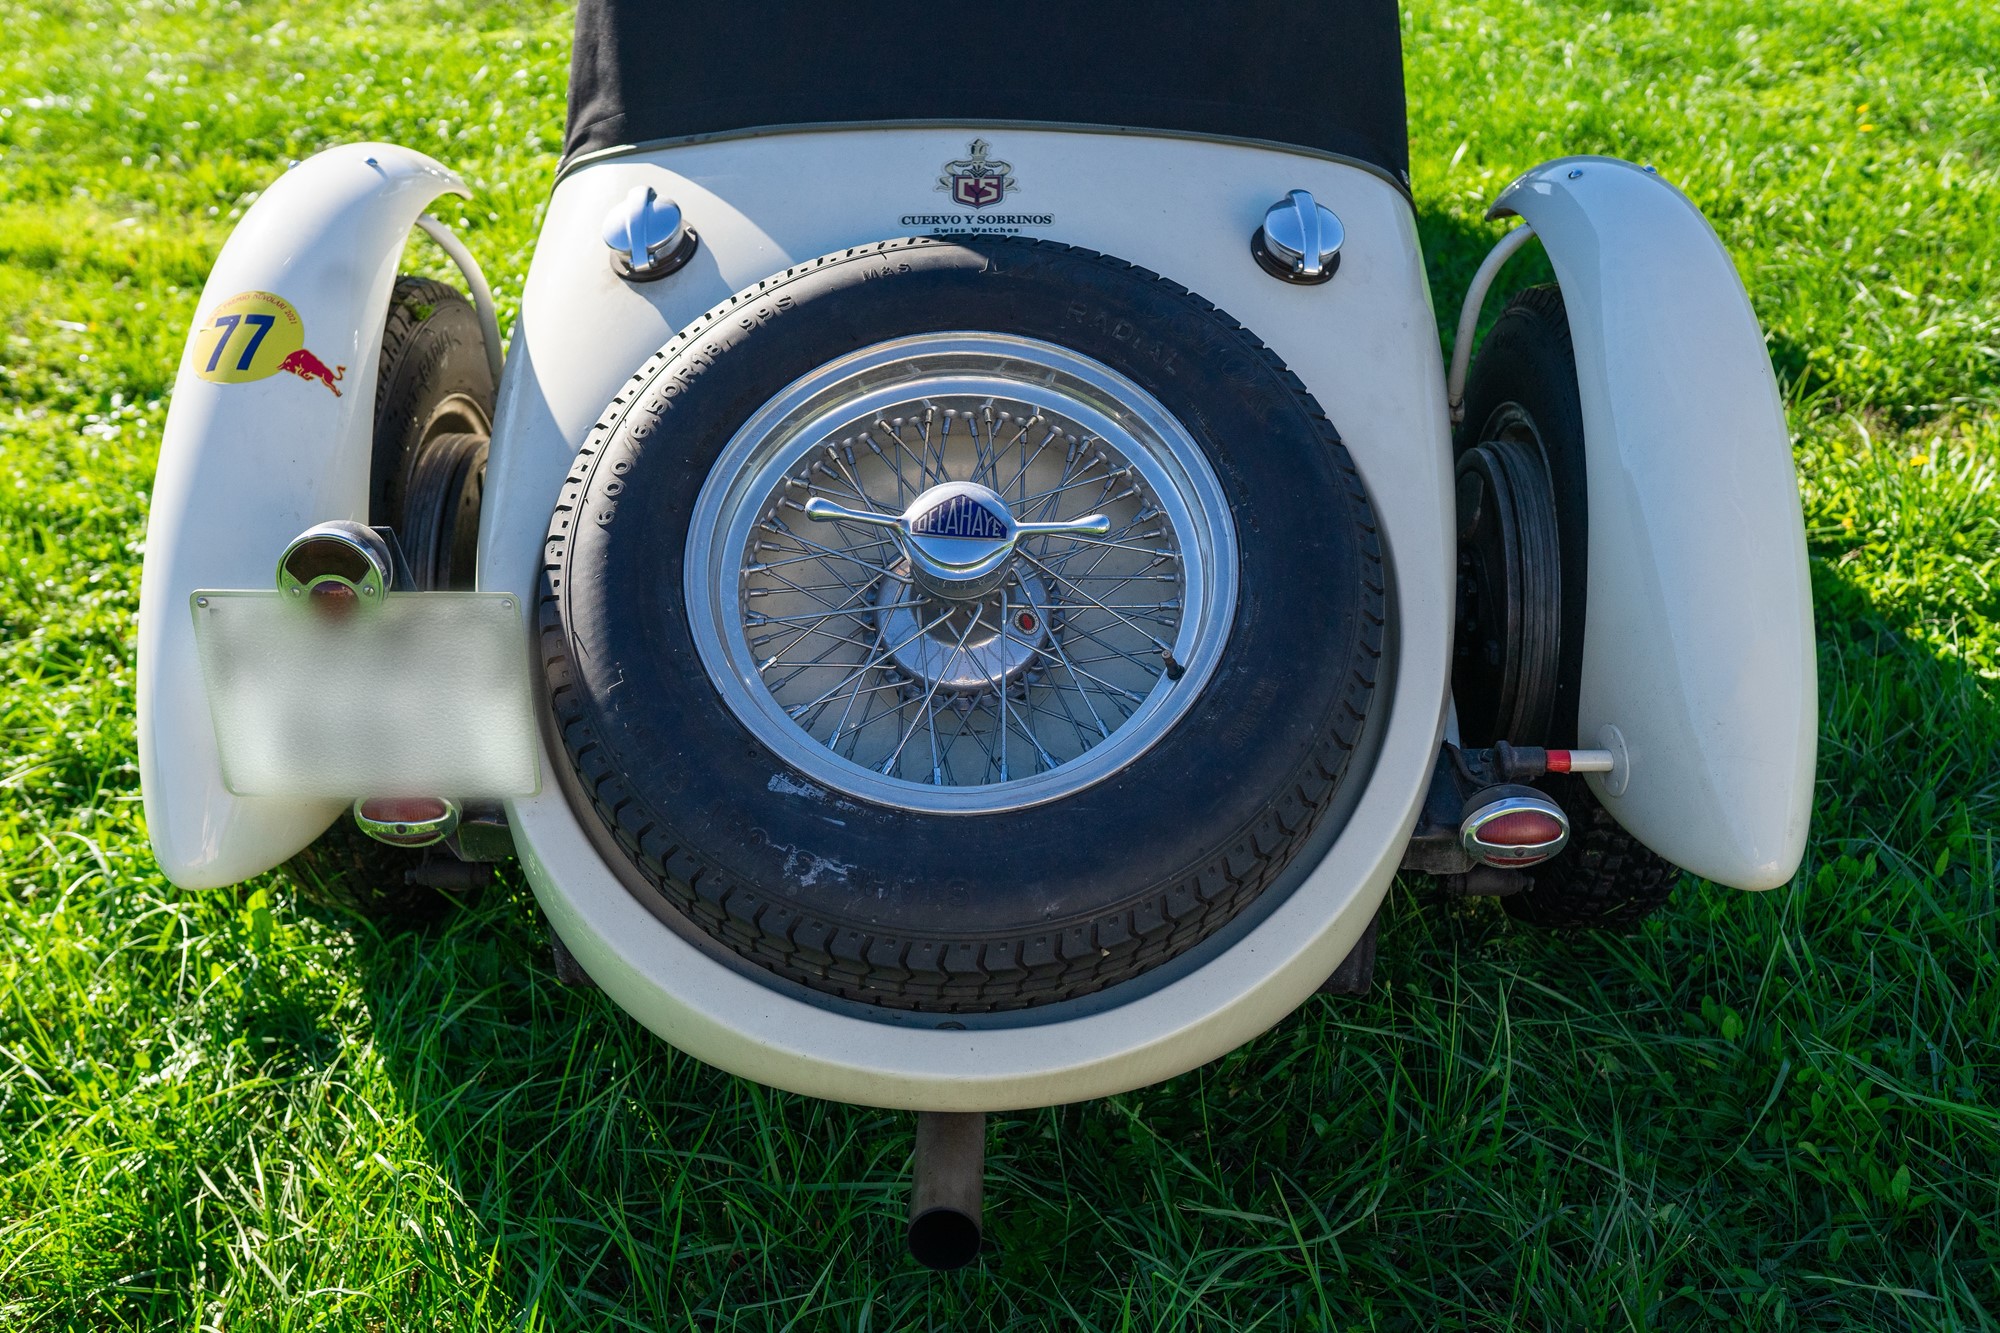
(851, 642)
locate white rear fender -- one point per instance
(1698, 644)
(270, 432)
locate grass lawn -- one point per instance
(230, 1110)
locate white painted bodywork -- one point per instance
(1365, 344)
(1698, 643)
(1699, 625)
(244, 468)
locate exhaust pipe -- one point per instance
(949, 1177)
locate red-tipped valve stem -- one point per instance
(1580, 761)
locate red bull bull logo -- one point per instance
(253, 336)
(309, 367)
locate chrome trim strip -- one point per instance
(568, 165)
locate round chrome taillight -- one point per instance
(337, 567)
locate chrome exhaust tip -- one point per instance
(945, 1193)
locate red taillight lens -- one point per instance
(1513, 829)
(333, 599)
(1521, 828)
(406, 821)
(404, 809)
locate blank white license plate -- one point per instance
(425, 695)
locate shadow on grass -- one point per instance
(1758, 1108)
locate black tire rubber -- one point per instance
(425, 481)
(434, 401)
(961, 913)
(1527, 362)
(1605, 878)
(1506, 652)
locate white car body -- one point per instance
(1698, 657)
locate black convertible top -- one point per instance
(1318, 74)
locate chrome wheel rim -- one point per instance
(855, 643)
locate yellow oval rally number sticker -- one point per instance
(254, 335)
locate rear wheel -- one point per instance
(433, 412)
(1523, 565)
(433, 416)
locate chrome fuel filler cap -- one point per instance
(1300, 240)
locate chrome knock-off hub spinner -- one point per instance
(958, 535)
(970, 645)
(961, 572)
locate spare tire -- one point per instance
(1089, 565)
